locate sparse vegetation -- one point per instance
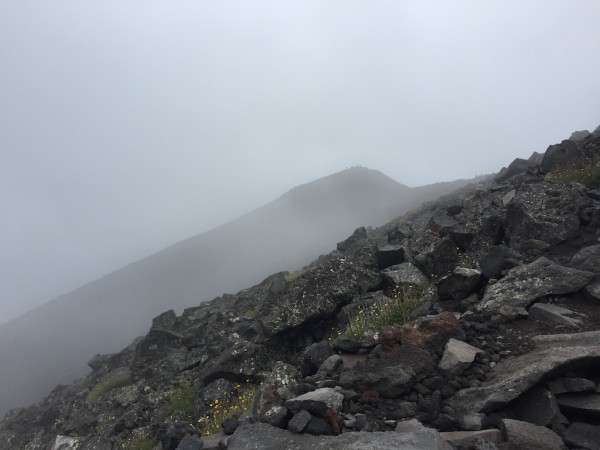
(117, 381)
(145, 444)
(587, 174)
(395, 310)
(182, 403)
(237, 403)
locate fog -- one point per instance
(128, 126)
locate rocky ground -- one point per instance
(503, 351)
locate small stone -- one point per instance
(299, 422)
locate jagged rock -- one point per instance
(359, 235)
(465, 438)
(461, 237)
(458, 356)
(459, 284)
(540, 213)
(441, 224)
(499, 259)
(346, 345)
(560, 155)
(537, 406)
(315, 355)
(588, 258)
(165, 321)
(418, 359)
(331, 364)
(229, 425)
(317, 426)
(390, 255)
(389, 380)
(524, 284)
(579, 135)
(434, 255)
(508, 197)
(582, 435)
(299, 422)
(317, 402)
(405, 274)
(219, 389)
(270, 438)
(554, 313)
(514, 376)
(430, 333)
(565, 385)
(98, 361)
(274, 391)
(158, 342)
(580, 404)
(190, 443)
(531, 437)
(320, 296)
(516, 167)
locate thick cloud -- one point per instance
(126, 126)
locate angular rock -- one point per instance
(64, 443)
(466, 438)
(582, 435)
(274, 391)
(514, 376)
(299, 422)
(457, 357)
(389, 380)
(588, 258)
(435, 255)
(98, 361)
(499, 259)
(317, 402)
(554, 313)
(331, 364)
(560, 155)
(359, 235)
(531, 437)
(421, 361)
(508, 197)
(580, 404)
(404, 275)
(537, 406)
(430, 333)
(318, 427)
(441, 224)
(390, 255)
(524, 284)
(219, 389)
(461, 283)
(516, 167)
(541, 212)
(579, 135)
(270, 438)
(592, 290)
(513, 312)
(315, 355)
(566, 385)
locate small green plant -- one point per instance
(236, 403)
(395, 310)
(117, 381)
(182, 402)
(145, 444)
(587, 173)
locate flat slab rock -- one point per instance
(317, 401)
(266, 437)
(524, 284)
(514, 376)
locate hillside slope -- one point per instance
(51, 344)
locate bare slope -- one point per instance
(51, 344)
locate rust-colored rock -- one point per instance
(335, 420)
(429, 333)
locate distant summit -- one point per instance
(52, 343)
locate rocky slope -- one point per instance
(503, 351)
(52, 343)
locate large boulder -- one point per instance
(434, 255)
(588, 258)
(524, 284)
(514, 376)
(524, 435)
(461, 283)
(404, 275)
(498, 259)
(251, 437)
(317, 402)
(388, 379)
(457, 357)
(560, 155)
(543, 213)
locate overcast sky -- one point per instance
(126, 126)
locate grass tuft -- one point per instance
(238, 402)
(587, 173)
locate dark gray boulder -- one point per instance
(581, 404)
(461, 283)
(251, 437)
(190, 443)
(582, 435)
(524, 435)
(555, 314)
(588, 258)
(390, 380)
(404, 275)
(498, 259)
(315, 355)
(359, 235)
(390, 255)
(434, 255)
(299, 422)
(577, 136)
(537, 406)
(524, 284)
(542, 212)
(516, 167)
(560, 155)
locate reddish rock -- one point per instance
(335, 420)
(429, 333)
